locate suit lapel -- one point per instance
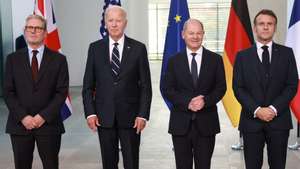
(274, 60)
(186, 68)
(106, 51)
(44, 64)
(125, 56)
(203, 67)
(26, 63)
(254, 60)
(103, 51)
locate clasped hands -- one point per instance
(32, 122)
(139, 123)
(197, 103)
(265, 114)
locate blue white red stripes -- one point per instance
(293, 41)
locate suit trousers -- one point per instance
(277, 142)
(48, 149)
(109, 143)
(193, 146)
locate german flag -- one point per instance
(239, 36)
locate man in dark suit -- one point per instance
(117, 91)
(265, 80)
(35, 87)
(194, 82)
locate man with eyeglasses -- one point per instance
(35, 87)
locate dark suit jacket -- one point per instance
(117, 101)
(251, 92)
(46, 96)
(178, 88)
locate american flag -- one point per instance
(45, 9)
(103, 30)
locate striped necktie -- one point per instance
(115, 60)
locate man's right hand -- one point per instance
(197, 103)
(93, 123)
(265, 113)
(28, 122)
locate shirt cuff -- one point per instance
(256, 111)
(93, 115)
(274, 109)
(142, 118)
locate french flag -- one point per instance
(45, 9)
(293, 41)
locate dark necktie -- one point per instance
(194, 69)
(115, 60)
(266, 58)
(34, 65)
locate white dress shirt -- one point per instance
(259, 53)
(198, 58)
(120, 46)
(39, 55)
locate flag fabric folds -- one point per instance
(293, 41)
(45, 9)
(238, 37)
(103, 30)
(174, 43)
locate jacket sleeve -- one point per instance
(60, 92)
(283, 100)
(89, 84)
(169, 88)
(239, 87)
(10, 93)
(145, 84)
(220, 85)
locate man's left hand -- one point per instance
(139, 124)
(39, 120)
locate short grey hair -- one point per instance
(41, 18)
(190, 21)
(114, 7)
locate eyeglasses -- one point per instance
(34, 29)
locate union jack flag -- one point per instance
(45, 9)
(103, 30)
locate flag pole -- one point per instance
(296, 146)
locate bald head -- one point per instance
(192, 34)
(192, 21)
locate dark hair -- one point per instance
(265, 12)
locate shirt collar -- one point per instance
(40, 49)
(120, 41)
(199, 51)
(259, 45)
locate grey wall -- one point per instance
(78, 25)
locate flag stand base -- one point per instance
(294, 147)
(238, 146)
